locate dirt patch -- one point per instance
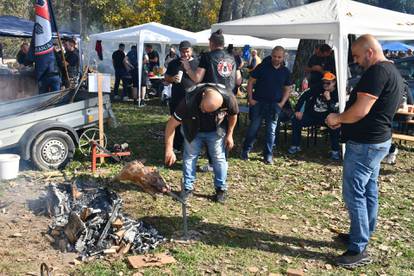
(23, 225)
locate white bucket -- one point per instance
(9, 166)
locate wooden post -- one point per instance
(100, 115)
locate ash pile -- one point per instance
(88, 219)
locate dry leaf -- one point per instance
(284, 217)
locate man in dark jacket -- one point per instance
(312, 109)
(208, 115)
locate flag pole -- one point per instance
(59, 42)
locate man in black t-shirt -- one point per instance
(320, 62)
(72, 61)
(366, 129)
(153, 57)
(180, 83)
(202, 115)
(118, 62)
(271, 82)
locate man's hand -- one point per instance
(327, 95)
(228, 142)
(332, 121)
(317, 68)
(280, 105)
(170, 157)
(177, 78)
(252, 102)
(186, 64)
(299, 115)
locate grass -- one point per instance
(277, 217)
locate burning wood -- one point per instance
(88, 219)
(147, 178)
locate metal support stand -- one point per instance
(103, 154)
(184, 212)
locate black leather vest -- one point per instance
(191, 124)
(222, 69)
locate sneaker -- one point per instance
(391, 157)
(185, 194)
(206, 168)
(334, 155)
(268, 159)
(244, 155)
(351, 259)
(220, 196)
(125, 99)
(294, 149)
(117, 97)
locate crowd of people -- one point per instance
(207, 114)
(204, 112)
(63, 73)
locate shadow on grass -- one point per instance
(223, 235)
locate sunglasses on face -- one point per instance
(326, 83)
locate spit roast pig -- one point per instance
(147, 178)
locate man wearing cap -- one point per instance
(215, 66)
(366, 128)
(180, 82)
(312, 109)
(271, 83)
(202, 115)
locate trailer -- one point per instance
(45, 128)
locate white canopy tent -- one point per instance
(146, 33)
(237, 40)
(287, 43)
(330, 20)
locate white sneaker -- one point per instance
(391, 157)
(206, 168)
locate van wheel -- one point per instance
(52, 150)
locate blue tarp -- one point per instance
(20, 27)
(396, 46)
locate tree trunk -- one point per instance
(303, 54)
(225, 11)
(237, 11)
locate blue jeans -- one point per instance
(270, 113)
(215, 146)
(360, 189)
(308, 120)
(49, 84)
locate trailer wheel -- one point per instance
(52, 149)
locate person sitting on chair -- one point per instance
(312, 108)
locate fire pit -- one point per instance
(88, 219)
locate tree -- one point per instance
(192, 15)
(225, 11)
(303, 54)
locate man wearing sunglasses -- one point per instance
(312, 109)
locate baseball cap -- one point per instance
(328, 76)
(184, 44)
